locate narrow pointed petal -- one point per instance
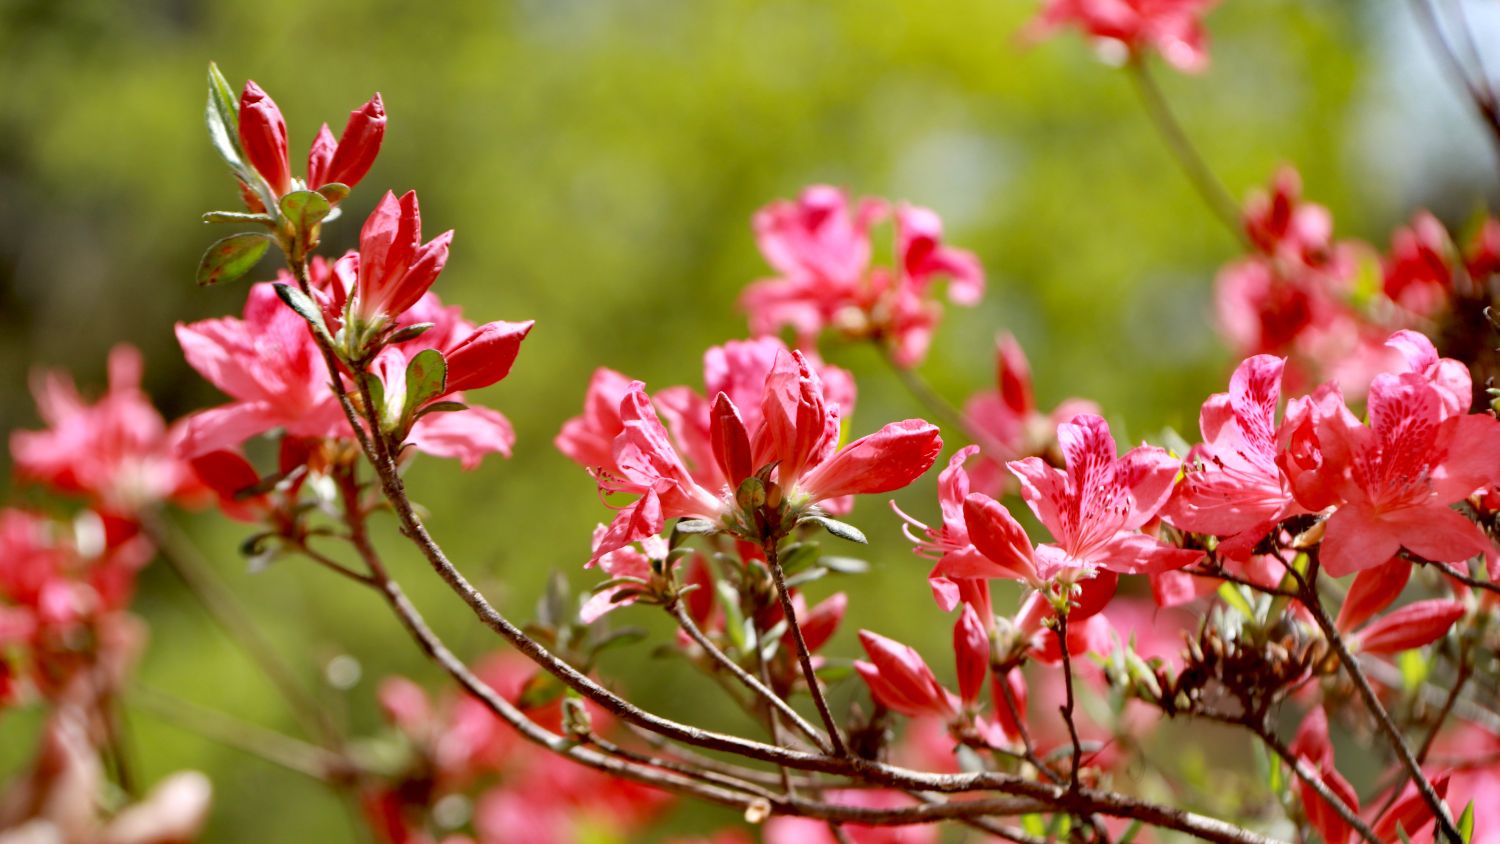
(1411, 626)
(886, 460)
(1373, 590)
(999, 537)
(729, 440)
(485, 356)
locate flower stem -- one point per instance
(1209, 188)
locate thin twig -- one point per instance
(225, 612)
(1067, 708)
(1305, 773)
(804, 656)
(1372, 703)
(1209, 188)
(685, 621)
(1484, 105)
(307, 759)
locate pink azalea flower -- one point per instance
(1009, 421)
(1096, 507)
(798, 435)
(822, 251)
(476, 357)
(395, 268)
(1233, 488)
(1281, 224)
(1398, 477)
(1418, 273)
(116, 451)
(269, 365)
(1170, 27)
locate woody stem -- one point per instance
(804, 656)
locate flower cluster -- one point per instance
(820, 248)
(1327, 305)
(67, 638)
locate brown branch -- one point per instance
(1309, 599)
(1484, 104)
(1304, 772)
(761, 689)
(1067, 708)
(804, 656)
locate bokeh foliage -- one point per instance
(600, 161)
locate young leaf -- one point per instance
(238, 217)
(334, 192)
(223, 118)
(426, 377)
(1466, 823)
(231, 257)
(305, 308)
(303, 210)
(691, 527)
(842, 530)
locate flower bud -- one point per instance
(263, 137)
(357, 146)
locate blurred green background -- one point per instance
(600, 162)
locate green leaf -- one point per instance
(305, 308)
(844, 565)
(1466, 823)
(303, 210)
(231, 257)
(410, 332)
(223, 118)
(541, 689)
(695, 527)
(376, 388)
(238, 217)
(1130, 833)
(334, 192)
(734, 620)
(441, 407)
(806, 576)
(1034, 825)
(843, 530)
(1235, 598)
(426, 378)
(1414, 669)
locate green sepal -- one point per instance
(843, 530)
(231, 257)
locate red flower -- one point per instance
(395, 267)
(263, 137)
(1169, 27)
